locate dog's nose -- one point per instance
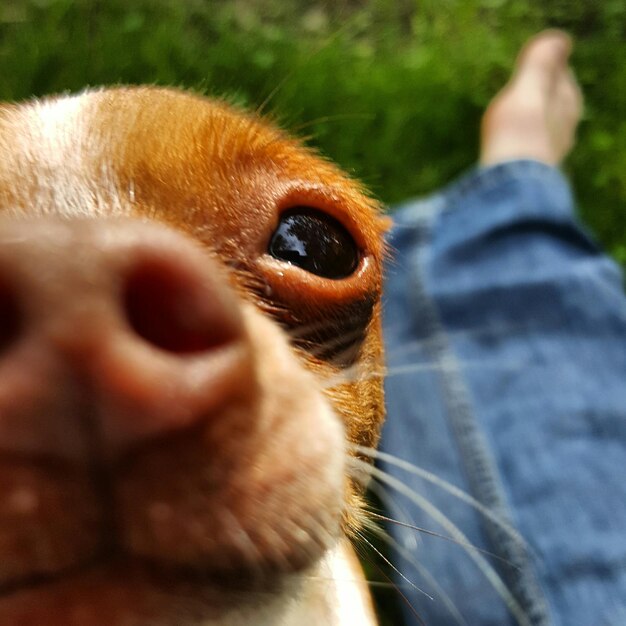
(117, 330)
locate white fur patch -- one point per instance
(352, 601)
(61, 144)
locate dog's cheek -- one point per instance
(357, 396)
(259, 486)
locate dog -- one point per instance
(190, 350)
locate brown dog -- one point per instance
(189, 337)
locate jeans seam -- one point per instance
(481, 179)
(476, 458)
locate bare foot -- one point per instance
(536, 114)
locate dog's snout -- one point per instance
(124, 320)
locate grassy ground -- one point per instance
(391, 89)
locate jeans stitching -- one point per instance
(476, 457)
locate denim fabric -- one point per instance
(506, 345)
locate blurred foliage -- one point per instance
(391, 89)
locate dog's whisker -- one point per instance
(391, 504)
(329, 346)
(339, 347)
(412, 541)
(347, 356)
(372, 547)
(357, 581)
(362, 370)
(302, 331)
(442, 484)
(431, 533)
(412, 368)
(338, 117)
(378, 371)
(365, 557)
(439, 591)
(427, 344)
(444, 521)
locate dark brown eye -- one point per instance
(315, 242)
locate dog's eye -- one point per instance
(315, 242)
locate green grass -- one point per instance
(392, 90)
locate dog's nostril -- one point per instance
(10, 317)
(163, 307)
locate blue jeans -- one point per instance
(506, 345)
